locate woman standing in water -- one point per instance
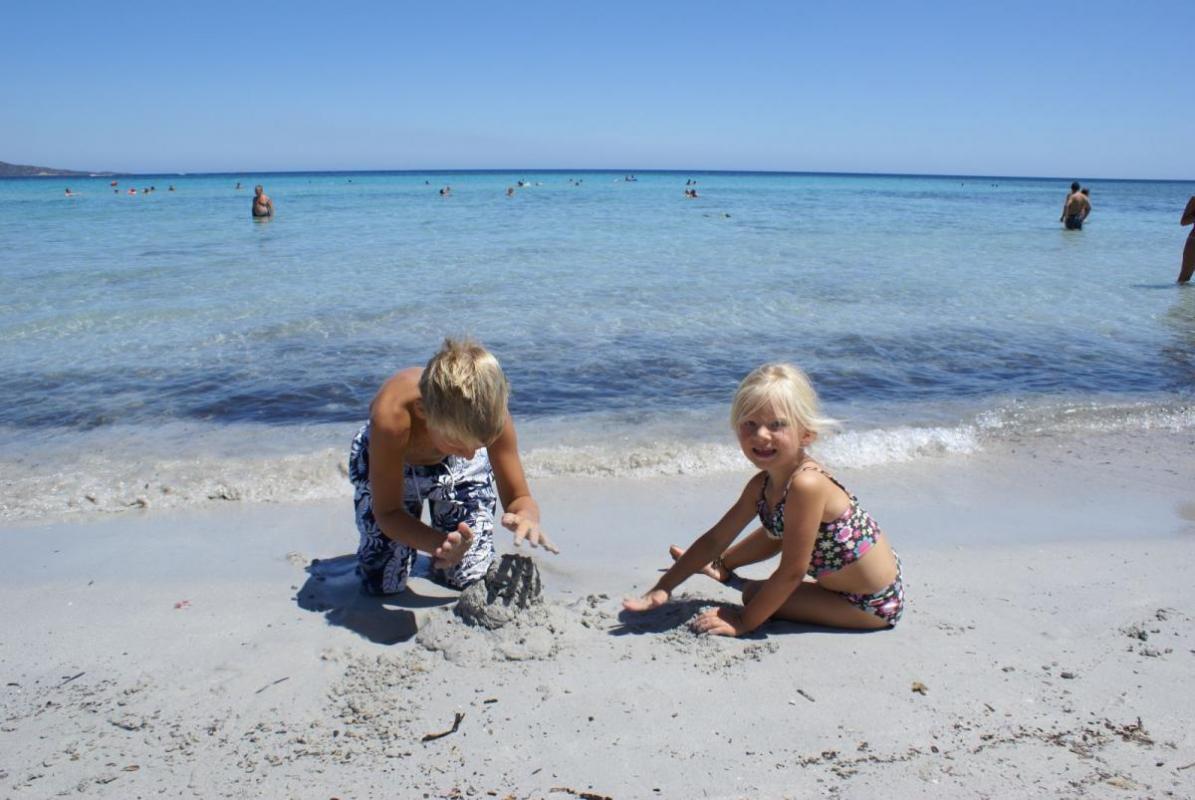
(1189, 250)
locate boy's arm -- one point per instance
(388, 440)
(520, 511)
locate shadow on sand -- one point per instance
(670, 616)
(677, 614)
(332, 588)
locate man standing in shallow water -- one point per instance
(1075, 208)
(263, 206)
(1188, 268)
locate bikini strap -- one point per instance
(763, 493)
(833, 480)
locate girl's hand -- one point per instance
(653, 599)
(720, 621)
(525, 528)
(454, 547)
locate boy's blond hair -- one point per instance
(787, 390)
(464, 392)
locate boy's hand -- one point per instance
(525, 528)
(653, 599)
(454, 547)
(720, 621)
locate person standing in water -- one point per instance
(263, 206)
(1075, 208)
(1188, 218)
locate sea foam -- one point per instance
(122, 470)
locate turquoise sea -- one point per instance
(166, 349)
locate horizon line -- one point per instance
(591, 170)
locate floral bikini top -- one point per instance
(840, 542)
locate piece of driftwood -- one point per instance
(71, 678)
(274, 683)
(456, 724)
(582, 795)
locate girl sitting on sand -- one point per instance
(806, 516)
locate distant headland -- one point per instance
(24, 171)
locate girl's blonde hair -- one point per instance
(464, 392)
(787, 390)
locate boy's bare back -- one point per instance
(398, 426)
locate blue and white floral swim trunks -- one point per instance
(457, 490)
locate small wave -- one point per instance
(99, 484)
(1086, 417)
(635, 461)
(897, 445)
(851, 450)
(143, 467)
(643, 456)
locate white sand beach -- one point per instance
(1046, 651)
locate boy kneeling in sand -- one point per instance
(442, 434)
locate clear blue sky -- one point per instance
(1084, 89)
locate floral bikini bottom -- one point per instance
(888, 603)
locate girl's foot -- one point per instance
(720, 574)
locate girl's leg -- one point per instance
(812, 604)
(709, 570)
(758, 546)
